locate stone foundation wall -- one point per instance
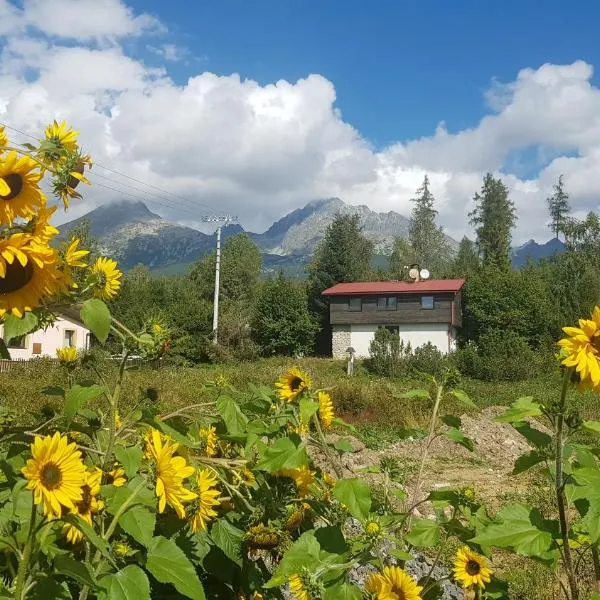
(340, 341)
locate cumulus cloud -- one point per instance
(224, 144)
(170, 52)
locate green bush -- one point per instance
(388, 354)
(429, 359)
(501, 355)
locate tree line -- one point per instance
(280, 315)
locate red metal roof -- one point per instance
(394, 287)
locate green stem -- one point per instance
(560, 491)
(596, 562)
(325, 447)
(430, 436)
(122, 509)
(114, 403)
(24, 564)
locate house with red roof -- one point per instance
(420, 311)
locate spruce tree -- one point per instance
(426, 238)
(344, 254)
(493, 218)
(558, 207)
(467, 260)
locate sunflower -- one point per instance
(326, 411)
(297, 588)
(292, 384)
(62, 136)
(41, 227)
(393, 583)
(55, 473)
(28, 273)
(87, 506)
(208, 498)
(3, 138)
(67, 356)
(108, 278)
(20, 194)
(470, 569)
(246, 476)
(582, 349)
(303, 477)
(209, 438)
(75, 257)
(116, 477)
(170, 472)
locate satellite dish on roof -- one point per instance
(414, 273)
(424, 274)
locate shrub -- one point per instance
(388, 354)
(500, 355)
(429, 359)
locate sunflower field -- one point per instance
(244, 496)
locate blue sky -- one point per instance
(399, 68)
(258, 107)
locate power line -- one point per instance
(191, 203)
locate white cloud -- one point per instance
(259, 151)
(87, 19)
(170, 52)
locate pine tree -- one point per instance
(426, 238)
(467, 260)
(403, 255)
(344, 254)
(558, 207)
(493, 218)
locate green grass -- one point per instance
(373, 404)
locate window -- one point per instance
(427, 302)
(18, 343)
(387, 303)
(355, 304)
(69, 338)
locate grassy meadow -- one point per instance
(374, 405)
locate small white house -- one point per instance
(420, 311)
(65, 331)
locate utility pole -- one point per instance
(222, 220)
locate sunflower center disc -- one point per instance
(15, 182)
(295, 384)
(17, 277)
(51, 476)
(473, 568)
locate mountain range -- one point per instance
(132, 234)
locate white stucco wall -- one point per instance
(51, 339)
(417, 334)
(421, 333)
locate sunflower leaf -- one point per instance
(459, 437)
(462, 396)
(527, 460)
(424, 533)
(77, 397)
(15, 327)
(229, 539)
(96, 317)
(342, 591)
(130, 582)
(168, 564)
(75, 569)
(283, 454)
(304, 552)
(90, 534)
(235, 420)
(355, 495)
(520, 409)
(421, 394)
(521, 528)
(308, 408)
(130, 457)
